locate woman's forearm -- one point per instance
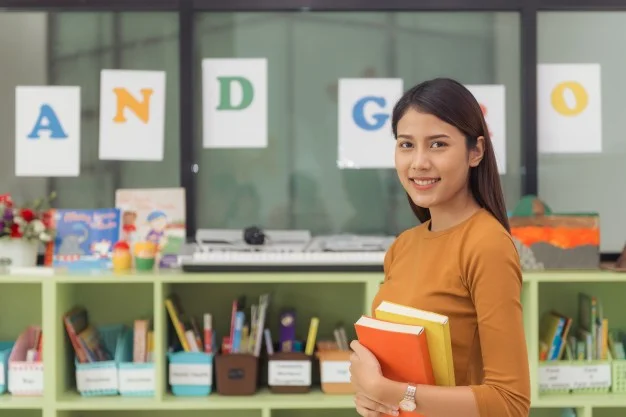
(433, 401)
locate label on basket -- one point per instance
(137, 380)
(592, 376)
(555, 377)
(335, 372)
(24, 378)
(289, 373)
(191, 374)
(96, 379)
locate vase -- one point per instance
(20, 252)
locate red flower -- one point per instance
(15, 231)
(46, 219)
(27, 215)
(6, 200)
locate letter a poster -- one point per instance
(47, 131)
(234, 102)
(132, 115)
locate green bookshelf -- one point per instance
(334, 297)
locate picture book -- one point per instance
(437, 332)
(401, 350)
(156, 215)
(84, 238)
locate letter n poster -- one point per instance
(132, 115)
(234, 102)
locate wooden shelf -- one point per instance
(124, 298)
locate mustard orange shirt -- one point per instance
(470, 273)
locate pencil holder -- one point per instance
(236, 373)
(25, 378)
(335, 372)
(190, 373)
(289, 372)
(5, 352)
(100, 378)
(136, 379)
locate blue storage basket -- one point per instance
(5, 352)
(142, 373)
(111, 337)
(203, 362)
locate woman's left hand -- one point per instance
(365, 371)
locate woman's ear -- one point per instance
(477, 152)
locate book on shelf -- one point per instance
(588, 337)
(84, 336)
(401, 350)
(437, 329)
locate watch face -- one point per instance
(407, 405)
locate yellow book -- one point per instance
(178, 326)
(437, 335)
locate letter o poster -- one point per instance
(569, 111)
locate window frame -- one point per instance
(187, 9)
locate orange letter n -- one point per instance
(125, 99)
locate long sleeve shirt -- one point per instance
(470, 273)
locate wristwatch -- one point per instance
(408, 402)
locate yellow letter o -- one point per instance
(580, 95)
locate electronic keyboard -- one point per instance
(283, 261)
(283, 250)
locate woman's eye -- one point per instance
(437, 144)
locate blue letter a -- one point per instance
(358, 114)
(53, 125)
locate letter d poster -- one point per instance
(234, 101)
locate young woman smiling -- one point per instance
(460, 262)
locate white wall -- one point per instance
(22, 62)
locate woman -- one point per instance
(460, 262)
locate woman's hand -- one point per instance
(366, 407)
(367, 378)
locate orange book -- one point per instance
(401, 350)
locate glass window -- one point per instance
(589, 38)
(71, 48)
(295, 182)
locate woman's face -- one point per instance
(432, 159)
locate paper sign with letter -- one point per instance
(569, 108)
(234, 103)
(132, 115)
(47, 131)
(492, 103)
(365, 139)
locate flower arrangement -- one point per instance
(31, 222)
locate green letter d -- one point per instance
(225, 99)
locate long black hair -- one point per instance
(453, 103)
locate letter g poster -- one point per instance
(365, 139)
(234, 102)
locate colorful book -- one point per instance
(401, 350)
(437, 333)
(156, 215)
(84, 238)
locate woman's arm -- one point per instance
(432, 401)
(493, 278)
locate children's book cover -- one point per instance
(85, 238)
(156, 215)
